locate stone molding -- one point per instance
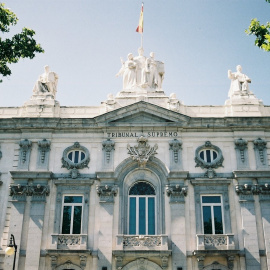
(106, 193)
(215, 241)
(69, 241)
(141, 241)
(175, 148)
(142, 152)
(210, 166)
(108, 151)
(176, 193)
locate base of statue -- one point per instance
(244, 104)
(41, 105)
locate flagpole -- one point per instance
(142, 40)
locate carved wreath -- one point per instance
(206, 165)
(67, 163)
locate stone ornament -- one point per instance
(241, 145)
(142, 73)
(142, 152)
(141, 241)
(247, 189)
(108, 147)
(29, 190)
(106, 192)
(44, 146)
(176, 192)
(175, 146)
(173, 103)
(239, 83)
(260, 146)
(69, 240)
(25, 146)
(215, 240)
(72, 166)
(215, 163)
(46, 83)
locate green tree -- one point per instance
(21, 45)
(262, 33)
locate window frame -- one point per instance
(146, 208)
(212, 212)
(72, 213)
(212, 159)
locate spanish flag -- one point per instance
(140, 26)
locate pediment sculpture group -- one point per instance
(142, 72)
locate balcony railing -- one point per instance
(215, 241)
(69, 241)
(142, 242)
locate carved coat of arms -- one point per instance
(143, 151)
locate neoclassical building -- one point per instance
(141, 182)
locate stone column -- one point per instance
(178, 230)
(37, 211)
(106, 195)
(249, 227)
(16, 224)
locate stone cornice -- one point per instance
(252, 174)
(33, 175)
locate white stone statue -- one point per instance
(46, 83)
(153, 73)
(140, 63)
(128, 71)
(239, 82)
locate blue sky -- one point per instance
(198, 40)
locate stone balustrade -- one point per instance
(142, 242)
(69, 241)
(215, 241)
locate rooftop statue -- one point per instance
(239, 82)
(142, 72)
(46, 83)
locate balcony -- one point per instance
(215, 242)
(69, 241)
(142, 242)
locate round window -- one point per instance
(76, 156)
(208, 155)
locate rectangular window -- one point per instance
(142, 215)
(72, 214)
(212, 215)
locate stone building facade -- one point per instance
(139, 182)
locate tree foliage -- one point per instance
(21, 45)
(262, 33)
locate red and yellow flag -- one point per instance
(140, 26)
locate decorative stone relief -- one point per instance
(260, 153)
(230, 261)
(110, 102)
(143, 151)
(106, 193)
(216, 266)
(83, 261)
(173, 103)
(215, 158)
(141, 241)
(175, 153)
(108, 150)
(29, 190)
(53, 261)
(164, 262)
(247, 189)
(176, 193)
(119, 262)
(241, 153)
(43, 153)
(75, 157)
(215, 240)
(69, 240)
(25, 150)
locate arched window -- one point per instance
(142, 209)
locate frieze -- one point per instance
(69, 240)
(137, 135)
(143, 151)
(142, 241)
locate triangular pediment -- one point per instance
(142, 113)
